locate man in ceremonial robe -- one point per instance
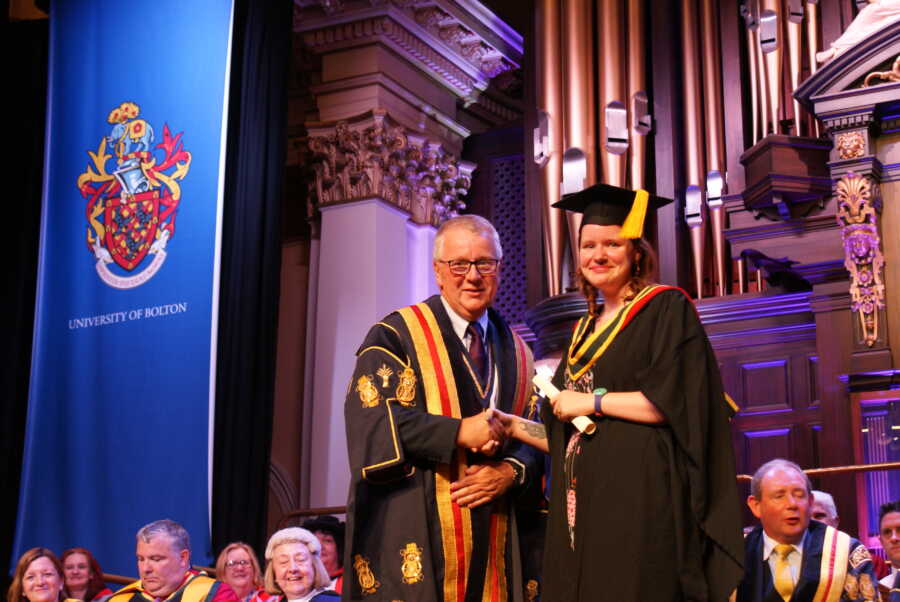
(889, 533)
(790, 556)
(438, 510)
(164, 565)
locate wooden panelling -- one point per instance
(762, 446)
(812, 365)
(765, 385)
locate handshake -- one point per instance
(485, 432)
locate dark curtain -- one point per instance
(250, 268)
(24, 167)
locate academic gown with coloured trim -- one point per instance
(657, 512)
(859, 584)
(395, 503)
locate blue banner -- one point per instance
(120, 408)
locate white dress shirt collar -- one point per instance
(769, 545)
(460, 324)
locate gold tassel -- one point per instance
(634, 223)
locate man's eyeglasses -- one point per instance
(460, 267)
(232, 563)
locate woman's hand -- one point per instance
(526, 431)
(569, 404)
(503, 424)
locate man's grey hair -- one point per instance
(179, 535)
(765, 469)
(827, 502)
(472, 223)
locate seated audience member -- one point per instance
(38, 578)
(789, 556)
(823, 509)
(238, 567)
(164, 566)
(294, 569)
(330, 532)
(889, 533)
(84, 579)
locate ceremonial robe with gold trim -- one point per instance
(196, 587)
(835, 567)
(643, 511)
(406, 540)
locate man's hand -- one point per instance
(482, 483)
(479, 433)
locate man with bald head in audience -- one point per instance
(164, 566)
(791, 557)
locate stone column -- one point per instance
(380, 192)
(398, 87)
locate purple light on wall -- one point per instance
(759, 365)
(765, 412)
(767, 433)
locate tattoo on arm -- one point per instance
(534, 429)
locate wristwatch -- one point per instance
(518, 468)
(599, 392)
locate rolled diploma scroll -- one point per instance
(582, 423)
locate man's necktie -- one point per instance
(477, 351)
(784, 583)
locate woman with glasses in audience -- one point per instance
(38, 578)
(237, 566)
(84, 579)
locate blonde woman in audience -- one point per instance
(238, 567)
(84, 579)
(38, 578)
(294, 569)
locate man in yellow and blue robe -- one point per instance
(436, 510)
(790, 556)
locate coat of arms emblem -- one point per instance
(131, 209)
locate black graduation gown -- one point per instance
(657, 514)
(394, 503)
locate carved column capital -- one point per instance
(370, 156)
(858, 207)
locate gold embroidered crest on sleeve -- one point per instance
(367, 582)
(406, 390)
(368, 394)
(385, 373)
(531, 590)
(412, 563)
(859, 556)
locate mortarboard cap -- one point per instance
(607, 205)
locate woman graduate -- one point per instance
(645, 508)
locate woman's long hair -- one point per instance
(643, 273)
(16, 592)
(95, 582)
